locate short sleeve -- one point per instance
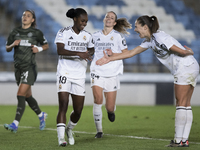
(91, 42)
(122, 42)
(168, 41)
(145, 44)
(60, 37)
(10, 38)
(41, 38)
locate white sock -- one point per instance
(97, 113)
(40, 115)
(180, 121)
(71, 125)
(16, 122)
(188, 124)
(61, 131)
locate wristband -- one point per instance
(39, 48)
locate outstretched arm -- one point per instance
(118, 56)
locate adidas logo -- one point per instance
(98, 39)
(115, 87)
(71, 37)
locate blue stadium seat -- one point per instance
(196, 50)
(74, 3)
(98, 24)
(178, 5)
(92, 18)
(146, 57)
(119, 3)
(89, 2)
(184, 42)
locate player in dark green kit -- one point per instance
(25, 40)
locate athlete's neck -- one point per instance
(106, 31)
(25, 26)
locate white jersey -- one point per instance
(114, 41)
(160, 43)
(73, 66)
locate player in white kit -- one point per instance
(74, 47)
(104, 79)
(178, 60)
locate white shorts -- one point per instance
(187, 75)
(108, 84)
(72, 86)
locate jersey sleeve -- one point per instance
(41, 38)
(60, 37)
(10, 38)
(168, 41)
(122, 43)
(91, 42)
(145, 44)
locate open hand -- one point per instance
(104, 60)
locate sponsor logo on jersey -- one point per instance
(160, 50)
(25, 43)
(70, 43)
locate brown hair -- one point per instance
(33, 24)
(122, 24)
(151, 22)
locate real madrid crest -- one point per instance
(84, 38)
(60, 86)
(111, 38)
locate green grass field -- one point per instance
(135, 127)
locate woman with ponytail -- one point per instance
(181, 63)
(104, 79)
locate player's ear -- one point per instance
(33, 20)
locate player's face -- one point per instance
(81, 22)
(143, 31)
(109, 20)
(27, 18)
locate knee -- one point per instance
(110, 108)
(78, 112)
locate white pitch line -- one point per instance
(123, 136)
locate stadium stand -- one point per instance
(175, 18)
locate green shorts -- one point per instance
(26, 76)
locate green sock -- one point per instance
(33, 104)
(20, 107)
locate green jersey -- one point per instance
(23, 55)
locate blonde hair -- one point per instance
(122, 24)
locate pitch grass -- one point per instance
(135, 127)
